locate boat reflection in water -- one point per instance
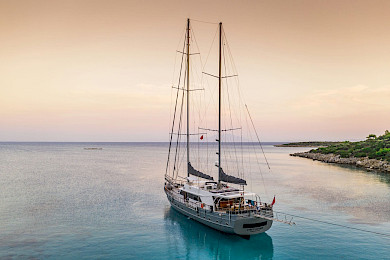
(192, 240)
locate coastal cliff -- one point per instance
(363, 162)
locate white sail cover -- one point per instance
(231, 179)
(194, 172)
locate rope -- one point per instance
(230, 110)
(338, 225)
(174, 114)
(257, 159)
(258, 139)
(199, 21)
(179, 136)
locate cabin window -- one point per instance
(192, 196)
(189, 195)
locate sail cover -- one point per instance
(231, 179)
(194, 172)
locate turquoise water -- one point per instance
(59, 201)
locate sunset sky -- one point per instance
(102, 70)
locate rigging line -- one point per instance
(213, 89)
(200, 21)
(236, 72)
(171, 136)
(195, 53)
(178, 142)
(386, 235)
(200, 116)
(230, 110)
(211, 100)
(258, 139)
(209, 74)
(174, 114)
(207, 140)
(224, 77)
(196, 43)
(233, 68)
(195, 76)
(231, 56)
(222, 130)
(179, 130)
(257, 159)
(190, 134)
(182, 36)
(195, 79)
(211, 46)
(181, 159)
(194, 89)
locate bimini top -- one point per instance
(235, 194)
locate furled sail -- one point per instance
(231, 179)
(194, 172)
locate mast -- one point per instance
(188, 96)
(219, 102)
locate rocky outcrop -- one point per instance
(364, 162)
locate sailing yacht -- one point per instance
(223, 204)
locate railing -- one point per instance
(262, 211)
(175, 181)
(277, 217)
(190, 204)
(245, 210)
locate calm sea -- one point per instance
(60, 201)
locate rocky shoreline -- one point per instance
(363, 162)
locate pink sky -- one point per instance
(102, 70)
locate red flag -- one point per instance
(273, 202)
(201, 138)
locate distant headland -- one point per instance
(371, 154)
(308, 144)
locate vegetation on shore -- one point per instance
(373, 147)
(308, 144)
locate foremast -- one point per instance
(188, 97)
(219, 102)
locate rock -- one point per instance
(368, 164)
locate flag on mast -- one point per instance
(273, 201)
(201, 137)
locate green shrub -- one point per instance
(383, 152)
(360, 154)
(374, 148)
(344, 154)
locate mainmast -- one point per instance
(188, 96)
(219, 102)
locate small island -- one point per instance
(307, 144)
(371, 154)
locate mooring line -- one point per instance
(339, 225)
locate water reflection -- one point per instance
(381, 176)
(194, 240)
